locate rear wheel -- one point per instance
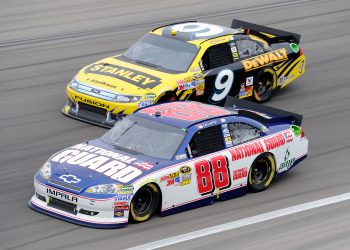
(264, 85)
(144, 203)
(261, 173)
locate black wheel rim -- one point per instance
(260, 171)
(264, 87)
(142, 201)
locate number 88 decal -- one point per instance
(213, 174)
(222, 85)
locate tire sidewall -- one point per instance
(152, 208)
(267, 70)
(271, 173)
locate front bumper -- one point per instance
(105, 217)
(91, 115)
(95, 110)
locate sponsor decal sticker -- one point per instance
(180, 157)
(143, 104)
(118, 213)
(91, 102)
(137, 78)
(249, 81)
(148, 96)
(62, 195)
(123, 197)
(120, 203)
(284, 166)
(143, 165)
(240, 173)
(283, 79)
(185, 170)
(265, 59)
(112, 164)
(301, 67)
(125, 190)
(242, 92)
(200, 87)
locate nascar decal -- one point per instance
(137, 78)
(109, 163)
(264, 59)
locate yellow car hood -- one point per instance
(126, 78)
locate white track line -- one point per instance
(243, 222)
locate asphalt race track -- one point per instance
(43, 44)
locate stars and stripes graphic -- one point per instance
(288, 136)
(143, 165)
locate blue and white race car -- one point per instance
(169, 158)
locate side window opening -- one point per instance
(241, 133)
(205, 141)
(248, 48)
(217, 56)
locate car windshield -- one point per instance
(140, 136)
(163, 52)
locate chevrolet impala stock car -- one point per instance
(186, 61)
(169, 158)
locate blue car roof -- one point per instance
(183, 114)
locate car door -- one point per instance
(223, 73)
(193, 180)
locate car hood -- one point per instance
(94, 162)
(127, 78)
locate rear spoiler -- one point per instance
(269, 34)
(261, 113)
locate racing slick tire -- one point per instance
(261, 173)
(168, 96)
(264, 85)
(144, 203)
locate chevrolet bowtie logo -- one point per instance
(69, 178)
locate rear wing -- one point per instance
(269, 34)
(261, 113)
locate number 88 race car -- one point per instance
(169, 158)
(186, 61)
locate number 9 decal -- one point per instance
(222, 85)
(199, 29)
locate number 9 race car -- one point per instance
(186, 61)
(169, 158)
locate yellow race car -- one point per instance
(186, 61)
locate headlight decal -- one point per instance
(45, 170)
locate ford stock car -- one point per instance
(186, 61)
(169, 158)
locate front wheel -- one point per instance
(261, 173)
(144, 203)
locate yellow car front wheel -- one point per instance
(144, 203)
